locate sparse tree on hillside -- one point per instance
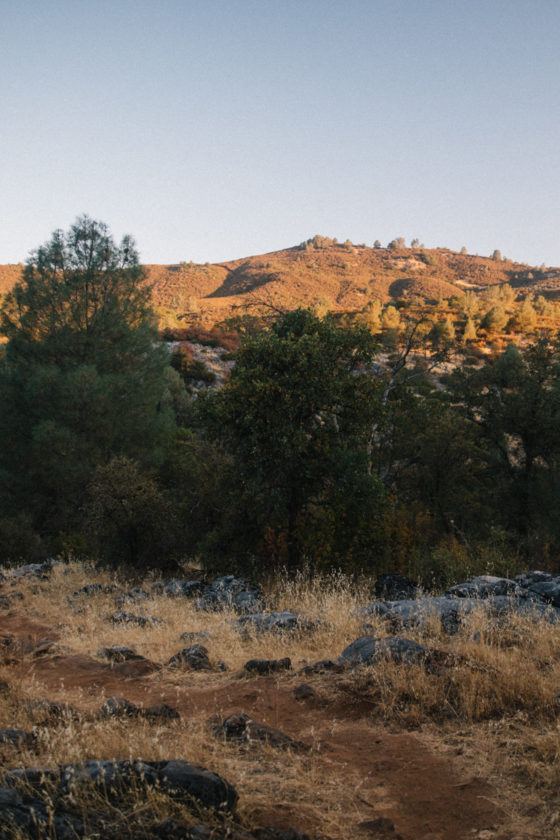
(495, 319)
(370, 316)
(463, 250)
(526, 317)
(397, 244)
(391, 318)
(377, 244)
(497, 255)
(469, 333)
(415, 243)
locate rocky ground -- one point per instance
(200, 708)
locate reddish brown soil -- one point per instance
(427, 796)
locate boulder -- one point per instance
(39, 570)
(243, 729)
(195, 636)
(132, 596)
(16, 738)
(262, 667)
(393, 587)
(123, 617)
(118, 707)
(194, 657)
(119, 653)
(547, 590)
(230, 592)
(485, 586)
(178, 588)
(368, 650)
(276, 622)
(527, 579)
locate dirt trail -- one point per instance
(427, 796)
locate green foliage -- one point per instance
(397, 244)
(495, 319)
(130, 519)
(83, 378)
(469, 333)
(296, 416)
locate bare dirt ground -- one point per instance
(379, 764)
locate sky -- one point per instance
(216, 129)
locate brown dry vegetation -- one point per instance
(468, 748)
(342, 278)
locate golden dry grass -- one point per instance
(493, 712)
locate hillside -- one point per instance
(340, 277)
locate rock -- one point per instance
(132, 596)
(323, 666)
(162, 712)
(303, 691)
(393, 587)
(379, 827)
(115, 777)
(267, 666)
(123, 617)
(178, 588)
(118, 707)
(119, 653)
(194, 657)
(186, 781)
(195, 636)
(278, 622)
(527, 579)
(96, 589)
(485, 586)
(243, 729)
(547, 590)
(368, 651)
(230, 592)
(279, 834)
(16, 738)
(54, 712)
(39, 570)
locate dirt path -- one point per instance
(425, 796)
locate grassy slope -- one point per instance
(344, 279)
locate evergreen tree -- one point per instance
(83, 378)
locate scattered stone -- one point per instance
(132, 596)
(230, 592)
(178, 588)
(243, 729)
(262, 667)
(16, 738)
(195, 636)
(194, 657)
(119, 707)
(485, 586)
(53, 712)
(278, 622)
(368, 650)
(323, 666)
(303, 691)
(96, 589)
(119, 653)
(393, 587)
(123, 617)
(39, 570)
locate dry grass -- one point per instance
(496, 706)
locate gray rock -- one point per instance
(547, 590)
(485, 586)
(194, 657)
(178, 588)
(368, 651)
(123, 617)
(262, 667)
(16, 738)
(113, 776)
(527, 579)
(118, 707)
(186, 781)
(40, 570)
(195, 636)
(323, 666)
(277, 622)
(96, 589)
(119, 653)
(243, 729)
(132, 596)
(394, 587)
(230, 592)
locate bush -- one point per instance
(130, 520)
(19, 542)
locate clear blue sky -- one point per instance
(214, 129)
